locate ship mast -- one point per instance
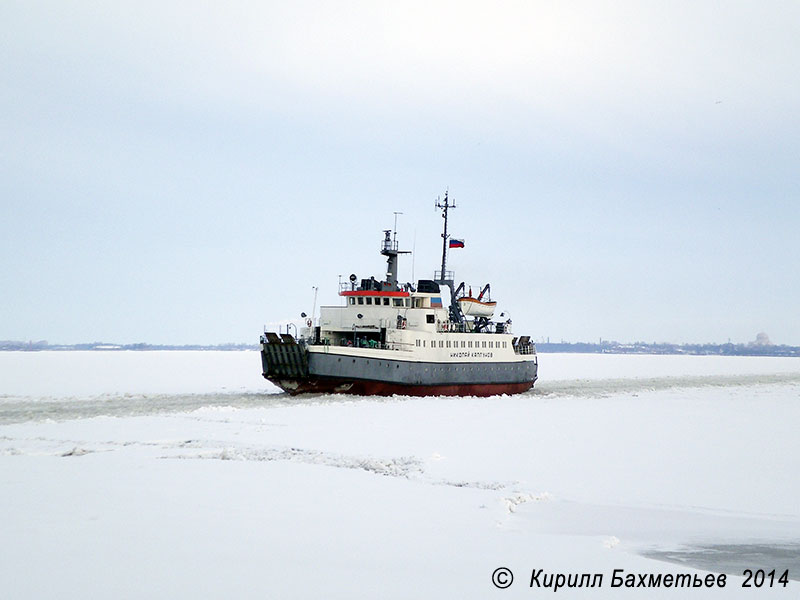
(444, 206)
(390, 251)
(446, 278)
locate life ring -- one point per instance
(308, 322)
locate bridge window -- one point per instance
(386, 302)
(483, 345)
(369, 300)
(352, 301)
(463, 343)
(360, 300)
(491, 344)
(398, 302)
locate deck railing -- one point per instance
(468, 327)
(528, 348)
(359, 343)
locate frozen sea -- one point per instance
(186, 475)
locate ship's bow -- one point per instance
(284, 362)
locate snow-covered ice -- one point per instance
(186, 475)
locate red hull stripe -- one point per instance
(372, 293)
(363, 387)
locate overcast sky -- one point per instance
(185, 172)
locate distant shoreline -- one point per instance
(675, 349)
(542, 347)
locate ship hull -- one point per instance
(325, 370)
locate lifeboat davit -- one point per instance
(472, 307)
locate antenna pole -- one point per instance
(413, 257)
(395, 225)
(314, 310)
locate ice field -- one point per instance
(186, 475)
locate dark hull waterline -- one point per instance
(365, 387)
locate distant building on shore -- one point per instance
(762, 339)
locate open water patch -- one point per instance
(22, 409)
(734, 559)
(600, 388)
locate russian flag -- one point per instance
(454, 243)
(436, 302)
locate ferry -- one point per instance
(390, 338)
